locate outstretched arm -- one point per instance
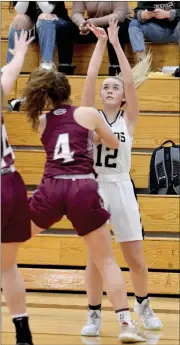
(12, 70)
(132, 109)
(90, 118)
(89, 90)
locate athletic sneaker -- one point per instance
(92, 328)
(153, 337)
(149, 319)
(47, 65)
(91, 340)
(130, 334)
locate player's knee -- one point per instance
(104, 264)
(91, 266)
(22, 22)
(7, 266)
(138, 265)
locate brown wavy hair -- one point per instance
(45, 88)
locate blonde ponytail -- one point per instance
(140, 70)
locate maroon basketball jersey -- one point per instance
(7, 154)
(68, 146)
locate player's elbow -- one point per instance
(112, 143)
(115, 144)
(5, 87)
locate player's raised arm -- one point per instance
(132, 78)
(89, 90)
(127, 75)
(12, 70)
(91, 119)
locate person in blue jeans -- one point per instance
(50, 21)
(158, 22)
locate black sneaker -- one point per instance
(114, 70)
(177, 73)
(66, 69)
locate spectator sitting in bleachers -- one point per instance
(156, 21)
(51, 22)
(99, 13)
(24, 20)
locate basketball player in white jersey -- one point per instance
(113, 167)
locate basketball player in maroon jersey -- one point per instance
(15, 226)
(68, 186)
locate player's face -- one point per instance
(112, 92)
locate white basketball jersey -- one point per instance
(114, 162)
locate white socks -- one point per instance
(124, 316)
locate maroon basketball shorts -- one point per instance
(78, 199)
(15, 215)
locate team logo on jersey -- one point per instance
(121, 136)
(60, 111)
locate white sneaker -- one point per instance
(47, 65)
(92, 328)
(130, 334)
(169, 69)
(149, 319)
(91, 340)
(153, 337)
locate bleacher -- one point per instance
(56, 260)
(168, 56)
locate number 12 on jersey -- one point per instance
(107, 164)
(107, 157)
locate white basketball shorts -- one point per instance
(119, 200)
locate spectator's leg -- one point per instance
(64, 39)
(83, 39)
(20, 22)
(158, 34)
(123, 33)
(136, 37)
(113, 61)
(176, 33)
(123, 38)
(46, 29)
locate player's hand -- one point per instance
(21, 44)
(113, 32)
(100, 33)
(161, 14)
(146, 15)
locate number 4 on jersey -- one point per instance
(62, 149)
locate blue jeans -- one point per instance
(52, 31)
(49, 31)
(11, 33)
(153, 33)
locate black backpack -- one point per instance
(164, 175)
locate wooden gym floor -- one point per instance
(57, 318)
